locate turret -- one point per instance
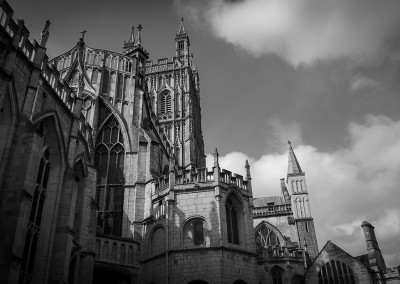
(375, 259)
(182, 44)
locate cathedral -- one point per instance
(103, 179)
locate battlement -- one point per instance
(51, 75)
(14, 29)
(272, 210)
(201, 175)
(280, 253)
(162, 65)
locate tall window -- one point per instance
(266, 237)
(194, 233)
(110, 157)
(232, 222)
(276, 275)
(166, 103)
(336, 272)
(35, 217)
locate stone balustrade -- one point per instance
(280, 252)
(116, 251)
(270, 210)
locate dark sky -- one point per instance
(324, 74)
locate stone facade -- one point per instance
(103, 178)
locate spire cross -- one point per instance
(139, 27)
(83, 33)
(289, 142)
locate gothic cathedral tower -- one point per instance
(300, 205)
(175, 94)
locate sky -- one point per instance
(323, 73)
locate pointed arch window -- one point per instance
(266, 237)
(276, 275)
(336, 272)
(109, 161)
(35, 218)
(232, 222)
(166, 103)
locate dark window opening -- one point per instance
(232, 223)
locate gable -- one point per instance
(333, 252)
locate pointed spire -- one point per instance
(293, 164)
(45, 34)
(138, 39)
(182, 29)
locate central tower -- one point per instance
(175, 94)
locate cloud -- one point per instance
(346, 186)
(301, 31)
(359, 82)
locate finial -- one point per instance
(45, 33)
(138, 40)
(247, 167)
(181, 27)
(216, 161)
(83, 33)
(132, 36)
(289, 142)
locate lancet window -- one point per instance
(35, 217)
(109, 161)
(232, 222)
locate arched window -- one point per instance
(336, 272)
(266, 237)
(109, 162)
(276, 275)
(165, 103)
(232, 220)
(194, 233)
(297, 279)
(35, 216)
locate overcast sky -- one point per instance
(322, 73)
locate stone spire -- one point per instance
(293, 164)
(45, 34)
(181, 29)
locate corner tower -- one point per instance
(175, 96)
(300, 205)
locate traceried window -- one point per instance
(109, 161)
(266, 237)
(336, 272)
(165, 103)
(232, 222)
(276, 275)
(35, 217)
(181, 45)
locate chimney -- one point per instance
(375, 258)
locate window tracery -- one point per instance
(336, 272)
(166, 106)
(109, 161)
(266, 237)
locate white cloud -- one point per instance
(360, 82)
(300, 31)
(347, 186)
